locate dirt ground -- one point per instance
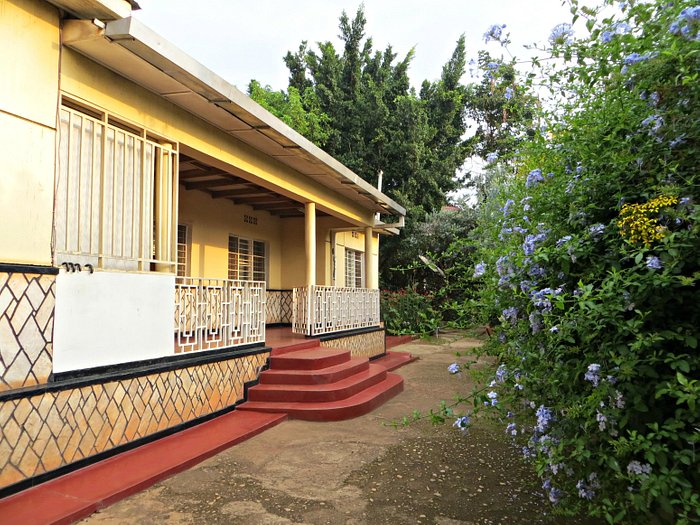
(358, 471)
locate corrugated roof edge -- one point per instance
(222, 91)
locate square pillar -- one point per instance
(310, 242)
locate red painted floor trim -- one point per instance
(80, 493)
(393, 360)
(396, 340)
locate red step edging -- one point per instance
(78, 494)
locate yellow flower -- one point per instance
(639, 223)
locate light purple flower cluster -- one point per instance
(492, 157)
(453, 368)
(619, 28)
(493, 396)
(596, 230)
(541, 298)
(602, 419)
(462, 424)
(635, 468)
(534, 177)
(586, 489)
(480, 269)
(544, 418)
(593, 374)
(506, 207)
(511, 314)
(531, 240)
(687, 24)
(561, 242)
(501, 373)
(553, 493)
(509, 93)
(561, 34)
(654, 263)
(512, 429)
(494, 32)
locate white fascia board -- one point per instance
(151, 47)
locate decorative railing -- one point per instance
(218, 313)
(321, 310)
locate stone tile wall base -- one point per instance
(27, 304)
(369, 344)
(43, 432)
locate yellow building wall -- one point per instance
(211, 221)
(346, 240)
(86, 80)
(29, 39)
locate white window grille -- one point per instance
(354, 269)
(183, 250)
(247, 259)
(116, 196)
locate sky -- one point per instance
(247, 40)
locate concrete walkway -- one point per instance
(353, 472)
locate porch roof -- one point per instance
(134, 51)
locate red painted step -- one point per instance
(71, 497)
(309, 359)
(393, 360)
(313, 377)
(342, 389)
(353, 406)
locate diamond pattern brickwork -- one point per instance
(26, 329)
(278, 306)
(49, 430)
(360, 345)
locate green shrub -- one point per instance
(409, 312)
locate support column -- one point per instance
(370, 274)
(310, 242)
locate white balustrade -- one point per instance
(218, 313)
(321, 310)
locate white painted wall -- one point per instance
(108, 318)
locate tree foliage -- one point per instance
(369, 117)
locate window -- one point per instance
(115, 195)
(183, 250)
(354, 269)
(247, 259)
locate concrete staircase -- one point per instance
(321, 384)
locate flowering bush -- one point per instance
(590, 259)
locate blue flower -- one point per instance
(535, 322)
(494, 32)
(492, 157)
(493, 396)
(561, 34)
(512, 429)
(493, 66)
(554, 329)
(501, 373)
(563, 240)
(480, 269)
(462, 424)
(533, 178)
(602, 419)
(596, 230)
(593, 374)
(453, 368)
(509, 93)
(544, 418)
(635, 468)
(606, 36)
(506, 207)
(585, 490)
(654, 263)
